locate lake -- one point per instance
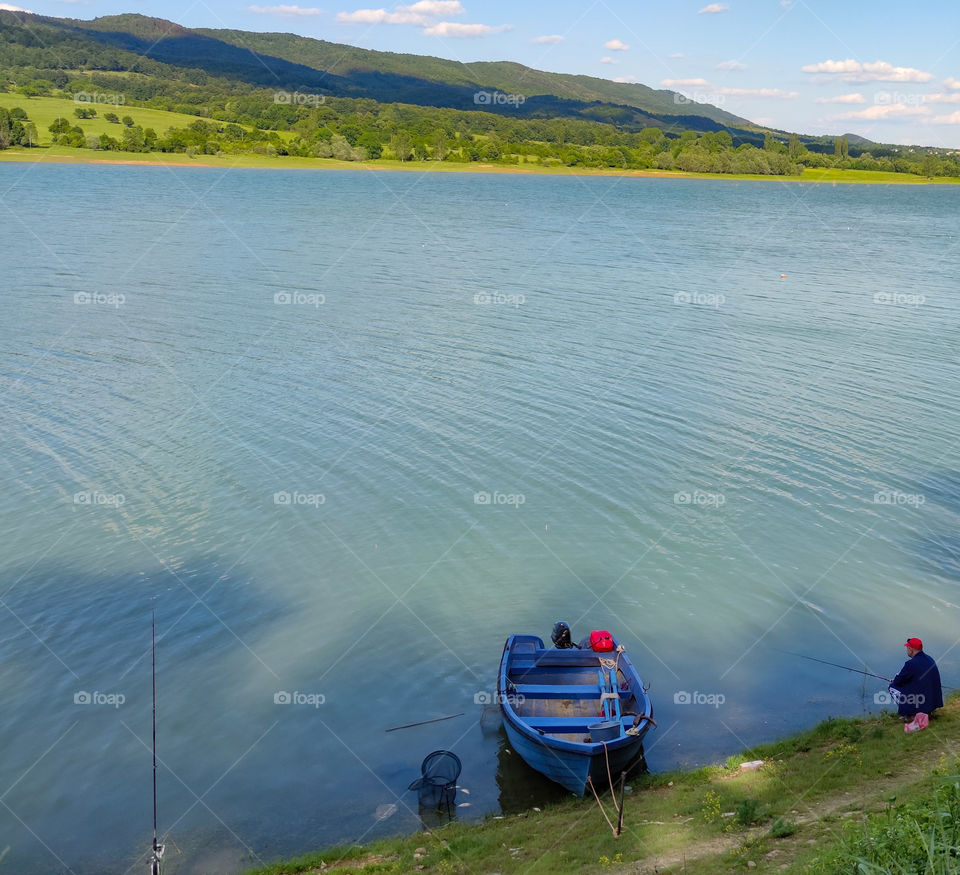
(348, 430)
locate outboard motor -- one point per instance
(560, 636)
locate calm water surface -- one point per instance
(715, 461)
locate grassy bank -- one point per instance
(66, 154)
(806, 810)
(44, 111)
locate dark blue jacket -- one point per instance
(919, 686)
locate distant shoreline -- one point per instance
(64, 155)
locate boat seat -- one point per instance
(568, 724)
(573, 656)
(557, 691)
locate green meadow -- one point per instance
(44, 111)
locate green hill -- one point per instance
(358, 64)
(153, 46)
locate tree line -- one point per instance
(360, 129)
(16, 129)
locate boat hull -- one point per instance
(549, 708)
(568, 768)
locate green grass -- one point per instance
(69, 155)
(250, 160)
(918, 836)
(801, 812)
(831, 174)
(44, 111)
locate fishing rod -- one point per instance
(855, 670)
(837, 665)
(156, 853)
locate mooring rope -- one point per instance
(612, 663)
(603, 811)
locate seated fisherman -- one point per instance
(916, 689)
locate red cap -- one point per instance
(915, 643)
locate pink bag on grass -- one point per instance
(920, 721)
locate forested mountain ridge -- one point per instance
(134, 42)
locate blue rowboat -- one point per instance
(572, 714)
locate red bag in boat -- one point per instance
(601, 641)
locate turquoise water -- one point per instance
(714, 461)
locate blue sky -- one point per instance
(886, 70)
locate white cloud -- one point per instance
(848, 66)
(6, 7)
(285, 11)
(363, 16)
(713, 8)
(850, 70)
(627, 80)
(675, 83)
(843, 98)
(941, 98)
(952, 83)
(758, 92)
(422, 13)
(731, 65)
(887, 111)
(952, 119)
(776, 93)
(436, 7)
(616, 45)
(607, 60)
(676, 55)
(453, 29)
(549, 40)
